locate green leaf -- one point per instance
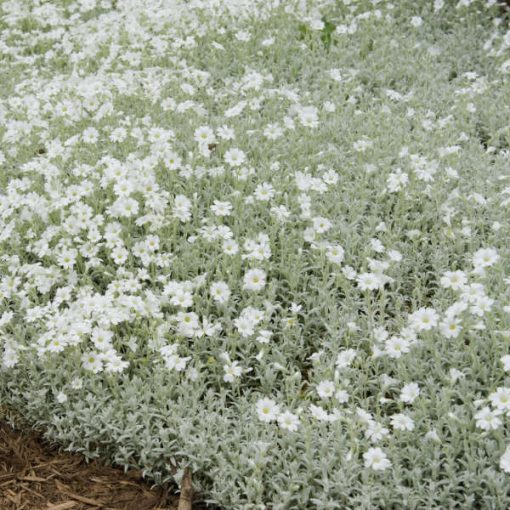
(328, 29)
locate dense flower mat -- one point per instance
(264, 239)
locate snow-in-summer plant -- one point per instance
(264, 239)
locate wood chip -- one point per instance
(61, 506)
(14, 499)
(34, 476)
(83, 499)
(28, 489)
(54, 461)
(61, 487)
(98, 480)
(32, 479)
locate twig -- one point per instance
(186, 491)
(61, 506)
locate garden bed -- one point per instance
(263, 242)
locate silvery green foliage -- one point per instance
(264, 239)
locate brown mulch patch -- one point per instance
(35, 476)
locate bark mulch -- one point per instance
(36, 476)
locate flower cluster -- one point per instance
(248, 237)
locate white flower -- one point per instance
(416, 21)
(362, 145)
(335, 73)
(450, 327)
(308, 116)
(295, 308)
(61, 397)
(182, 208)
(500, 399)
(173, 161)
(321, 225)
(455, 375)
(432, 435)
(335, 254)
(349, 272)
(504, 461)
(114, 363)
(487, 419)
(182, 299)
(101, 338)
(364, 416)
(118, 135)
(329, 107)
(226, 133)
(125, 207)
(267, 410)
(264, 192)
(319, 413)
(288, 421)
(230, 247)
(235, 157)
(254, 279)
(369, 281)
(377, 245)
(220, 208)
(220, 292)
(485, 257)
(472, 293)
(454, 280)
(409, 393)
(187, 323)
(119, 255)
(77, 383)
(456, 309)
(376, 459)
(232, 371)
(506, 362)
(264, 336)
(395, 255)
(395, 346)
(396, 181)
(345, 358)
(342, 396)
(482, 304)
(424, 319)
(204, 135)
(152, 243)
(172, 360)
(316, 24)
(92, 361)
(273, 131)
(245, 326)
(376, 431)
(68, 258)
(326, 389)
(401, 421)
(242, 35)
(90, 135)
(352, 327)
(258, 249)
(56, 345)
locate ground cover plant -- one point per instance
(267, 240)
